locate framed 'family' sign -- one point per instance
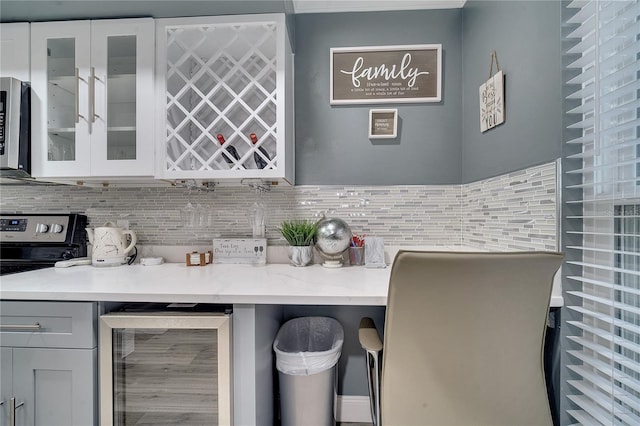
(386, 74)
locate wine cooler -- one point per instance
(165, 367)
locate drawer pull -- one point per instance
(35, 326)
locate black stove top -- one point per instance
(14, 268)
(36, 241)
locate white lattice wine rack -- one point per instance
(224, 80)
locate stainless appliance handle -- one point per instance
(35, 326)
(12, 411)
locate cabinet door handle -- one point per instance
(12, 411)
(92, 95)
(77, 100)
(35, 326)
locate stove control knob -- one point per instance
(56, 228)
(41, 228)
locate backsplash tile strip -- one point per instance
(513, 211)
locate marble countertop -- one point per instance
(226, 284)
(175, 282)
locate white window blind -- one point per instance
(604, 341)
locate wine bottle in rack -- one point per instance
(230, 151)
(260, 162)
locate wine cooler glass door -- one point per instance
(166, 373)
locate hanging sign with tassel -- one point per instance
(492, 97)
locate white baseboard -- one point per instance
(353, 408)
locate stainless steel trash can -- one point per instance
(307, 352)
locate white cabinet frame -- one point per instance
(211, 164)
(90, 56)
(14, 50)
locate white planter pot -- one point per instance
(300, 255)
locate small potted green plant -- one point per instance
(300, 235)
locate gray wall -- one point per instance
(437, 143)
(526, 36)
(332, 145)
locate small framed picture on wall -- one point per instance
(383, 123)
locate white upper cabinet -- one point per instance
(92, 98)
(14, 51)
(225, 90)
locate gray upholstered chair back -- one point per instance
(464, 337)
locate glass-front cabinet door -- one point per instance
(88, 78)
(60, 56)
(121, 79)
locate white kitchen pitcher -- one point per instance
(110, 244)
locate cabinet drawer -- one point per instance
(48, 324)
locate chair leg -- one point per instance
(373, 380)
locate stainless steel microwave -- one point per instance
(15, 128)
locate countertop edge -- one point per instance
(194, 298)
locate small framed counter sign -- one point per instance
(240, 250)
(386, 74)
(383, 123)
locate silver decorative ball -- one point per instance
(333, 237)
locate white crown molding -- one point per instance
(331, 6)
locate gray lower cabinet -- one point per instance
(52, 386)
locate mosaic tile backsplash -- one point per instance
(513, 212)
(510, 212)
